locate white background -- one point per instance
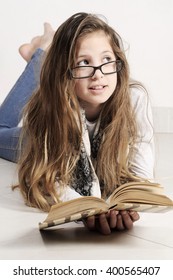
(145, 26)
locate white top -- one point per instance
(91, 128)
(142, 164)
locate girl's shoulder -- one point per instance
(138, 94)
(143, 111)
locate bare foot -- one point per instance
(27, 50)
(42, 42)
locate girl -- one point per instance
(87, 127)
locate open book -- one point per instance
(137, 196)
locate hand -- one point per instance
(104, 223)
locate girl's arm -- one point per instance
(142, 160)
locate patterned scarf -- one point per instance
(83, 174)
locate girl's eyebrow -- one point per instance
(82, 55)
(108, 51)
(88, 55)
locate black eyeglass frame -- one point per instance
(118, 62)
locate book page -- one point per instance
(135, 186)
(74, 206)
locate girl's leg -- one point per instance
(11, 109)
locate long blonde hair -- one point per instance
(52, 130)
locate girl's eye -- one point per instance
(107, 59)
(83, 62)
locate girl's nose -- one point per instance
(97, 75)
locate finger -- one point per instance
(127, 220)
(120, 225)
(113, 219)
(134, 216)
(103, 225)
(90, 223)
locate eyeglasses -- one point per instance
(81, 72)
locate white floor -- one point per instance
(151, 237)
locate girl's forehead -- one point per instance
(94, 39)
(93, 36)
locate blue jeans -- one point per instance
(11, 108)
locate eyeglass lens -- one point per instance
(88, 71)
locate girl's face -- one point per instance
(94, 50)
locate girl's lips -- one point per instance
(97, 89)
